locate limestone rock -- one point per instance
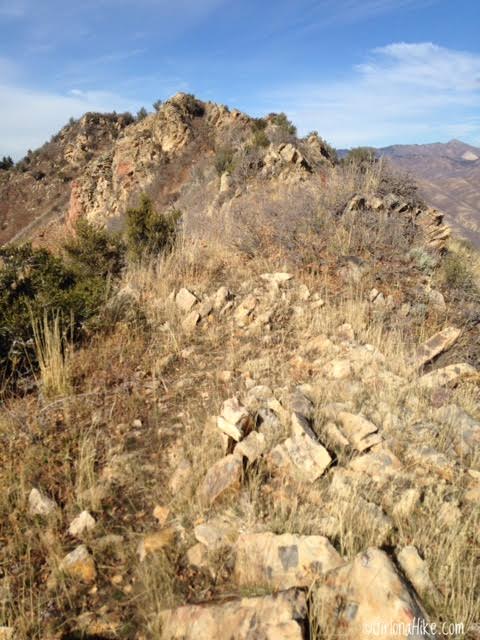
(278, 277)
(441, 341)
(338, 369)
(300, 457)
(161, 513)
(197, 556)
(185, 300)
(416, 570)
(245, 308)
(281, 616)
(361, 433)
(301, 426)
(233, 419)
(428, 460)
(81, 524)
(180, 476)
(379, 465)
(252, 447)
(449, 374)
(465, 429)
(190, 321)
(223, 477)
(406, 503)
(79, 564)
(374, 600)
(40, 504)
(282, 561)
(216, 533)
(221, 297)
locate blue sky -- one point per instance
(358, 71)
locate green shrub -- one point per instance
(157, 105)
(149, 232)
(361, 156)
(141, 114)
(33, 283)
(281, 120)
(224, 160)
(456, 272)
(260, 139)
(6, 163)
(93, 252)
(259, 124)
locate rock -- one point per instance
(301, 426)
(374, 293)
(334, 435)
(441, 341)
(236, 415)
(282, 561)
(185, 300)
(303, 292)
(154, 542)
(429, 460)
(245, 308)
(298, 402)
(41, 505)
(278, 278)
(320, 344)
(437, 300)
(361, 433)
(379, 465)
(338, 369)
(79, 564)
(216, 533)
(345, 332)
(161, 514)
(205, 308)
(221, 297)
(367, 598)
(223, 477)
(82, 523)
(252, 447)
(281, 616)
(465, 429)
(197, 556)
(450, 374)
(180, 476)
(190, 321)
(406, 503)
(416, 571)
(300, 457)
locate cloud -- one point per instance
(402, 92)
(28, 118)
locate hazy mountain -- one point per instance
(448, 175)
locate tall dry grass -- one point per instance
(53, 352)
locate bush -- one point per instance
(157, 105)
(260, 139)
(456, 272)
(224, 160)
(141, 114)
(259, 124)
(6, 163)
(94, 252)
(33, 283)
(149, 232)
(281, 121)
(361, 156)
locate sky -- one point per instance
(360, 72)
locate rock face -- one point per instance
(277, 617)
(283, 561)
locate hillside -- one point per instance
(240, 391)
(448, 176)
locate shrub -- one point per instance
(361, 156)
(260, 139)
(259, 124)
(193, 105)
(456, 272)
(33, 283)
(93, 252)
(141, 114)
(6, 163)
(157, 105)
(149, 232)
(224, 160)
(281, 121)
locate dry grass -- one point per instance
(53, 352)
(139, 400)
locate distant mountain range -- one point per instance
(448, 175)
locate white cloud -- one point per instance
(404, 92)
(28, 118)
